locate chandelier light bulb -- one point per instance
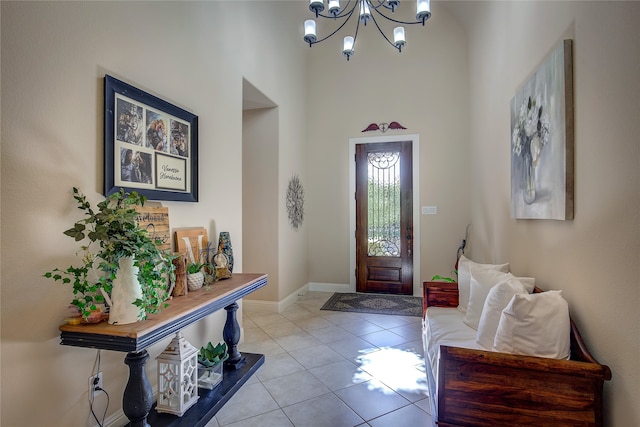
(423, 10)
(316, 6)
(347, 49)
(398, 38)
(365, 12)
(334, 7)
(392, 4)
(310, 31)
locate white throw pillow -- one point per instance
(498, 298)
(535, 325)
(482, 280)
(464, 278)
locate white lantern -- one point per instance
(177, 377)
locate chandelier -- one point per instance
(367, 11)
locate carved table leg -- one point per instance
(231, 335)
(137, 399)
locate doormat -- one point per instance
(402, 305)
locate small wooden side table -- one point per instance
(439, 294)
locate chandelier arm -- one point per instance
(397, 21)
(355, 36)
(348, 18)
(380, 4)
(383, 34)
(346, 12)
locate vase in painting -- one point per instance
(529, 180)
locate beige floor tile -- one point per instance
(237, 409)
(282, 329)
(408, 416)
(340, 374)
(297, 341)
(330, 369)
(268, 319)
(323, 411)
(277, 366)
(360, 396)
(267, 347)
(312, 357)
(331, 334)
(295, 388)
(275, 418)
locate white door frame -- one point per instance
(415, 153)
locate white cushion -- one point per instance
(482, 280)
(497, 299)
(535, 325)
(464, 278)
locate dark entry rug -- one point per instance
(402, 305)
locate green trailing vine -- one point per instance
(113, 233)
(438, 278)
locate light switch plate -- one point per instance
(429, 210)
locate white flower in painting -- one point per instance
(545, 133)
(517, 141)
(531, 122)
(531, 131)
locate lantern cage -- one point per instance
(177, 377)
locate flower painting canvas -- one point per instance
(542, 141)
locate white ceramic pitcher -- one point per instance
(126, 289)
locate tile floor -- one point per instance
(330, 369)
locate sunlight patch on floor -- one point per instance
(401, 370)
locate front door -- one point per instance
(384, 218)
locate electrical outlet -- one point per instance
(95, 385)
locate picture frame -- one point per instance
(150, 145)
(542, 140)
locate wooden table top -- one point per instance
(181, 312)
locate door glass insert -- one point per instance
(384, 204)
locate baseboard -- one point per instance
(274, 306)
(259, 305)
(280, 306)
(117, 419)
(330, 287)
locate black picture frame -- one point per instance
(150, 145)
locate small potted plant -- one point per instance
(210, 363)
(119, 260)
(195, 277)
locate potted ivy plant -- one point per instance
(116, 254)
(195, 276)
(210, 365)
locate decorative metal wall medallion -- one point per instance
(295, 202)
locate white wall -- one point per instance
(424, 88)
(260, 207)
(54, 57)
(594, 258)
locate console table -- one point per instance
(182, 311)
